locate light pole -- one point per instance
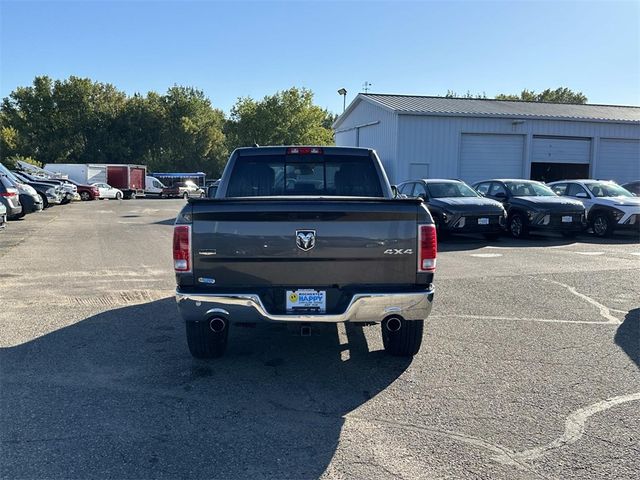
(343, 92)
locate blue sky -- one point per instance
(234, 49)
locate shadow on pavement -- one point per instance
(118, 395)
(628, 335)
(168, 221)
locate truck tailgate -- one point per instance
(305, 242)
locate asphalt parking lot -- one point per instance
(529, 367)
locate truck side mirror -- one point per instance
(394, 191)
(211, 191)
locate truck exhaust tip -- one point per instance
(217, 324)
(393, 324)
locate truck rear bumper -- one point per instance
(248, 308)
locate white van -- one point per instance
(153, 186)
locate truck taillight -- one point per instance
(182, 248)
(427, 248)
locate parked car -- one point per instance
(50, 194)
(86, 192)
(185, 190)
(531, 205)
(3, 216)
(457, 208)
(9, 197)
(153, 186)
(608, 206)
(29, 198)
(633, 187)
(322, 240)
(107, 191)
(67, 190)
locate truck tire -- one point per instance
(203, 343)
(406, 341)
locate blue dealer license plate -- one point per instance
(307, 300)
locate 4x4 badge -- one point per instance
(305, 239)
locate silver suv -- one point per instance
(608, 206)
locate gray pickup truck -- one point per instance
(304, 235)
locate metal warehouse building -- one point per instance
(475, 139)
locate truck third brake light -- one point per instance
(304, 151)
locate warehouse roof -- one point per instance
(472, 107)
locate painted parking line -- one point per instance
(574, 428)
(589, 253)
(486, 255)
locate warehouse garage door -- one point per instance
(618, 160)
(560, 158)
(491, 156)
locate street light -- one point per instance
(343, 92)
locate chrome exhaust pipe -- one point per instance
(217, 324)
(394, 324)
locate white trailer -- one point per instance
(80, 172)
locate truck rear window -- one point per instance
(327, 175)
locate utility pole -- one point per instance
(366, 86)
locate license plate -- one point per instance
(308, 300)
(567, 219)
(483, 221)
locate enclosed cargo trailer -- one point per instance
(128, 178)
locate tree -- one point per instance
(80, 121)
(454, 94)
(559, 95)
(287, 118)
(192, 137)
(61, 121)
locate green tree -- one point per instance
(80, 121)
(454, 94)
(192, 137)
(288, 117)
(559, 95)
(62, 121)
